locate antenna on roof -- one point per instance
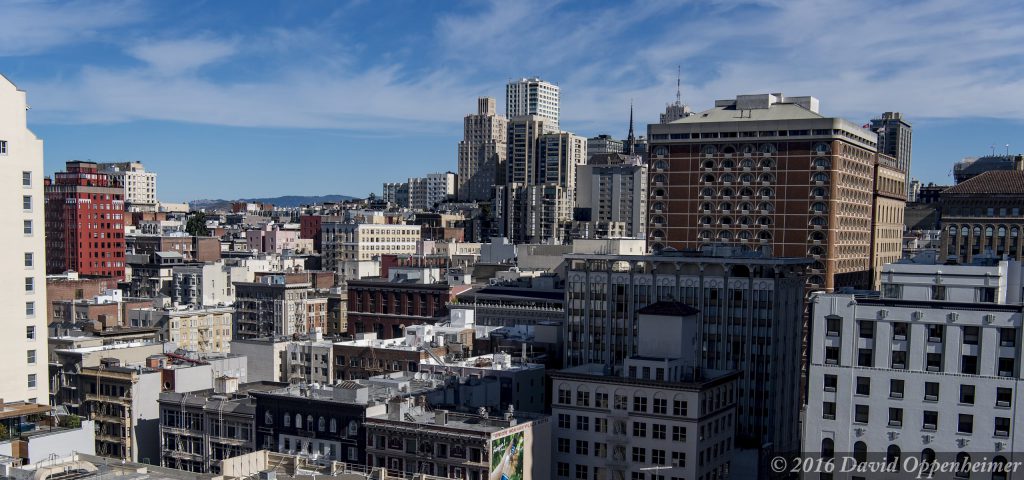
(679, 91)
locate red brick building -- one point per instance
(388, 307)
(85, 222)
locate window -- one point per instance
(562, 469)
(865, 357)
(828, 410)
(861, 414)
(863, 386)
(938, 292)
(639, 454)
(895, 417)
(892, 290)
(1005, 367)
(31, 357)
(833, 326)
(582, 423)
(3, 147)
(601, 400)
(867, 329)
(930, 420)
(986, 294)
(899, 331)
(933, 362)
(27, 227)
(679, 459)
(1007, 337)
(639, 429)
(31, 380)
(935, 332)
(564, 396)
(970, 335)
(1003, 396)
(30, 334)
(660, 405)
(965, 424)
(30, 284)
(899, 359)
(582, 447)
(831, 383)
(895, 388)
(679, 408)
(26, 202)
(967, 394)
(581, 472)
(657, 457)
(969, 364)
(30, 309)
(563, 445)
(29, 259)
(831, 355)
(564, 421)
(931, 391)
(582, 398)
(1002, 427)
(639, 404)
(658, 431)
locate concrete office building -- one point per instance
(362, 241)
(982, 216)
(425, 192)
(751, 317)
(23, 261)
(603, 144)
(202, 330)
(768, 172)
(655, 411)
(533, 96)
(482, 152)
(139, 185)
(894, 139)
(611, 198)
(932, 367)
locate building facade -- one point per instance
(603, 144)
(533, 96)
(482, 152)
(982, 216)
(386, 308)
(24, 300)
(85, 222)
(611, 198)
(362, 241)
(894, 139)
(931, 369)
(768, 172)
(751, 318)
(139, 185)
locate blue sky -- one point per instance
(228, 99)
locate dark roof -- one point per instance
(991, 182)
(675, 309)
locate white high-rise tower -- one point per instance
(533, 96)
(22, 262)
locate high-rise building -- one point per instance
(24, 302)
(389, 192)
(894, 140)
(676, 110)
(482, 152)
(85, 222)
(533, 96)
(425, 192)
(770, 173)
(750, 319)
(139, 185)
(932, 367)
(602, 144)
(611, 197)
(536, 203)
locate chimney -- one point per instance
(1018, 162)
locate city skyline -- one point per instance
(252, 95)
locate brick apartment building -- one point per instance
(387, 307)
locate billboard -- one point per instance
(509, 455)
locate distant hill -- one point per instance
(286, 201)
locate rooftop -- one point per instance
(476, 422)
(998, 182)
(597, 372)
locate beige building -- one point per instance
(533, 96)
(363, 241)
(139, 185)
(203, 330)
(611, 198)
(23, 300)
(482, 152)
(889, 202)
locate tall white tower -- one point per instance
(533, 96)
(22, 264)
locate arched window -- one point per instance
(746, 206)
(658, 207)
(1002, 232)
(704, 235)
(659, 178)
(724, 235)
(353, 428)
(725, 206)
(1001, 467)
(828, 448)
(822, 148)
(657, 219)
(952, 231)
(964, 231)
(860, 452)
(988, 232)
(743, 235)
(962, 459)
(818, 192)
(767, 192)
(746, 178)
(287, 419)
(661, 165)
(728, 177)
(820, 177)
(707, 178)
(1014, 231)
(816, 250)
(321, 424)
(268, 418)
(726, 220)
(709, 150)
(927, 462)
(334, 426)
(892, 455)
(729, 149)
(767, 163)
(822, 162)
(746, 192)
(768, 148)
(747, 163)
(744, 221)
(815, 280)
(727, 163)
(767, 177)
(819, 221)
(764, 235)
(748, 149)
(764, 221)
(707, 192)
(728, 192)
(817, 236)
(298, 420)
(708, 164)
(818, 207)
(705, 206)
(705, 220)
(309, 422)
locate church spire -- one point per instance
(630, 139)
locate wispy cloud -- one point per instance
(30, 27)
(175, 57)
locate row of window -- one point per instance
(680, 408)
(929, 419)
(970, 335)
(1004, 395)
(1005, 366)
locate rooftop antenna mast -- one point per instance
(679, 91)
